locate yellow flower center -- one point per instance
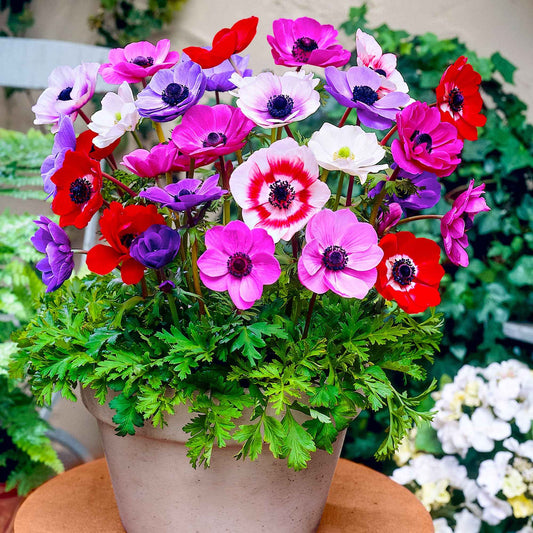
(343, 153)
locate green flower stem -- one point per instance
(217, 97)
(196, 277)
(389, 135)
(272, 135)
(288, 131)
(144, 288)
(159, 131)
(309, 313)
(349, 192)
(137, 140)
(339, 191)
(173, 310)
(278, 133)
(324, 175)
(235, 68)
(226, 212)
(77, 251)
(342, 121)
(118, 183)
(85, 118)
(183, 255)
(238, 153)
(416, 217)
(379, 198)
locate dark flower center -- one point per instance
(403, 271)
(183, 192)
(334, 258)
(127, 239)
(280, 106)
(174, 94)
(422, 138)
(456, 100)
(380, 71)
(365, 94)
(64, 95)
(80, 190)
(143, 61)
(281, 194)
(239, 265)
(215, 139)
(167, 286)
(302, 48)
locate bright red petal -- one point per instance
(131, 271)
(102, 259)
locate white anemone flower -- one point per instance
(348, 149)
(466, 522)
(117, 116)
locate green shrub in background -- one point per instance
(497, 285)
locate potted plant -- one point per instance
(251, 311)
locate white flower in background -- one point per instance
(441, 526)
(407, 448)
(466, 522)
(117, 116)
(483, 429)
(528, 528)
(348, 149)
(434, 495)
(522, 506)
(494, 509)
(524, 449)
(513, 485)
(492, 472)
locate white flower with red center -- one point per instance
(278, 189)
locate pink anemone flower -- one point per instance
(238, 260)
(278, 188)
(212, 131)
(150, 164)
(341, 255)
(425, 142)
(456, 222)
(305, 41)
(136, 61)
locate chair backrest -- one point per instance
(27, 63)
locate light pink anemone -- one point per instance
(238, 260)
(370, 54)
(459, 219)
(136, 61)
(305, 41)
(278, 188)
(341, 255)
(212, 131)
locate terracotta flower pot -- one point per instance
(157, 489)
(9, 503)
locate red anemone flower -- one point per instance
(409, 272)
(226, 42)
(84, 144)
(120, 225)
(458, 98)
(78, 183)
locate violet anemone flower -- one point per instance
(360, 87)
(69, 89)
(218, 78)
(341, 254)
(425, 142)
(456, 222)
(64, 141)
(238, 260)
(185, 194)
(272, 101)
(278, 188)
(370, 54)
(149, 164)
(212, 131)
(156, 246)
(305, 41)
(427, 194)
(58, 264)
(136, 61)
(171, 92)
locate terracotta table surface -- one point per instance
(360, 501)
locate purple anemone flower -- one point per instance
(136, 61)
(360, 87)
(69, 89)
(58, 264)
(185, 194)
(64, 141)
(171, 92)
(218, 78)
(305, 41)
(212, 131)
(156, 247)
(427, 195)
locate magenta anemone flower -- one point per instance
(136, 61)
(212, 131)
(341, 254)
(389, 217)
(185, 194)
(149, 164)
(272, 101)
(305, 41)
(218, 78)
(456, 222)
(425, 143)
(278, 188)
(171, 92)
(69, 89)
(238, 260)
(64, 141)
(361, 87)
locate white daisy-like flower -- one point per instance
(348, 149)
(117, 116)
